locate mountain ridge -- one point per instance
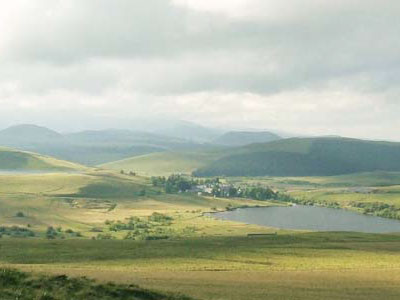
(306, 157)
(241, 138)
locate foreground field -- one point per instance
(287, 266)
(22, 286)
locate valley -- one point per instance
(121, 222)
(199, 150)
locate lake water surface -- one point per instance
(310, 218)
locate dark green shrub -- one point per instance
(20, 214)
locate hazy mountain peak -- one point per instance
(241, 138)
(29, 131)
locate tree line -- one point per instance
(178, 183)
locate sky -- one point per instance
(314, 67)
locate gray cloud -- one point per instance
(148, 56)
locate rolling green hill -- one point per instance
(306, 157)
(15, 160)
(166, 163)
(241, 138)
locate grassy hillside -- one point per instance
(15, 160)
(368, 179)
(84, 201)
(166, 163)
(306, 157)
(19, 285)
(241, 138)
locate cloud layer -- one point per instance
(309, 66)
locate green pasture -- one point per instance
(165, 163)
(203, 258)
(286, 266)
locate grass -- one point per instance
(165, 163)
(18, 285)
(84, 201)
(11, 159)
(368, 179)
(204, 258)
(376, 193)
(306, 156)
(295, 265)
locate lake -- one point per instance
(310, 218)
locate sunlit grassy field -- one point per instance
(11, 159)
(389, 195)
(83, 201)
(165, 163)
(374, 179)
(214, 259)
(287, 266)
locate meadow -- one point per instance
(166, 163)
(181, 250)
(374, 193)
(287, 266)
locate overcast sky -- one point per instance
(307, 66)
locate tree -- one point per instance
(232, 191)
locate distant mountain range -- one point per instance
(93, 147)
(25, 134)
(235, 153)
(89, 147)
(241, 138)
(187, 131)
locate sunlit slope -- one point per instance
(367, 179)
(306, 157)
(84, 201)
(73, 200)
(15, 160)
(166, 163)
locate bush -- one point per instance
(16, 231)
(105, 236)
(160, 218)
(20, 214)
(156, 237)
(10, 277)
(51, 233)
